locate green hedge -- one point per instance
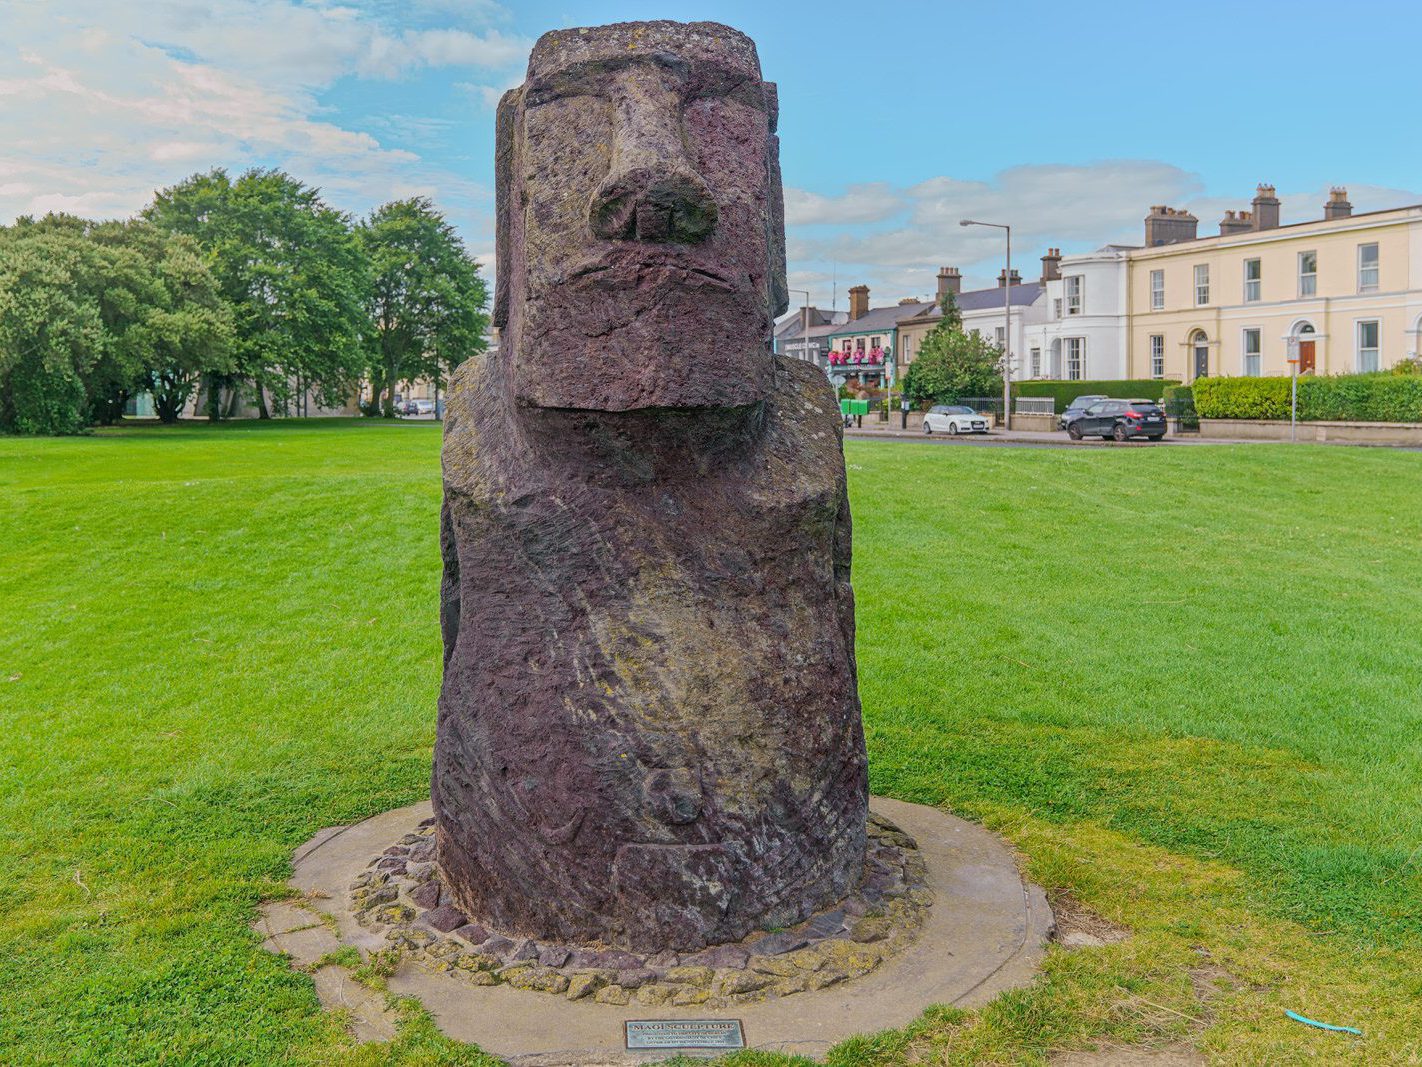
(1379, 397)
(1065, 392)
(1242, 398)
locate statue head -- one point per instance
(640, 241)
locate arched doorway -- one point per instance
(1200, 350)
(1305, 345)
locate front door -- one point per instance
(1306, 357)
(1202, 360)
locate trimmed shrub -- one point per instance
(1379, 397)
(1242, 398)
(1065, 392)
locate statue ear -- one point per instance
(507, 199)
(779, 284)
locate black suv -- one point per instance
(1119, 420)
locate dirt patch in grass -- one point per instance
(1080, 927)
(1131, 1056)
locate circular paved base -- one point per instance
(985, 933)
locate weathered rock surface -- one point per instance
(649, 731)
(815, 953)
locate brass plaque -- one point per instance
(684, 1033)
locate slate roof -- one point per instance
(790, 325)
(1024, 295)
(882, 320)
(814, 331)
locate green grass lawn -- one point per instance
(1185, 682)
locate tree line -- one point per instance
(248, 290)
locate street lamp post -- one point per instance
(804, 323)
(1007, 320)
(1293, 388)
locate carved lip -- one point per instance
(620, 274)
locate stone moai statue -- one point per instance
(649, 729)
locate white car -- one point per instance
(955, 419)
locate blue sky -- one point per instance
(1066, 120)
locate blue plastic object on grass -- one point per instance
(1323, 1026)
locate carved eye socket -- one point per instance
(728, 140)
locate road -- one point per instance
(1028, 439)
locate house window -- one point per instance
(1367, 268)
(998, 336)
(1076, 349)
(1057, 308)
(1157, 355)
(1367, 346)
(1308, 273)
(1252, 275)
(1202, 284)
(859, 344)
(1036, 362)
(1251, 353)
(876, 343)
(1157, 290)
(1073, 294)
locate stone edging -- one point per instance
(400, 895)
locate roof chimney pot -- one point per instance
(1266, 208)
(950, 280)
(858, 302)
(1337, 206)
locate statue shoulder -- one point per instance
(469, 428)
(803, 389)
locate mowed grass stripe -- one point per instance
(225, 639)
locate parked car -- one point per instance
(1076, 407)
(1119, 420)
(420, 407)
(955, 419)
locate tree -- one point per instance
(169, 325)
(426, 299)
(51, 330)
(91, 313)
(952, 363)
(291, 269)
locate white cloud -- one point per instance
(102, 103)
(871, 202)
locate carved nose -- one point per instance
(653, 204)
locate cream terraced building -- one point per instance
(1342, 294)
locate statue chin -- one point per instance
(643, 444)
(600, 351)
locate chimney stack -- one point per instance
(906, 300)
(1002, 278)
(1236, 222)
(858, 302)
(1051, 265)
(1337, 206)
(1167, 226)
(950, 280)
(1266, 209)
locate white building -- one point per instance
(984, 313)
(1084, 334)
